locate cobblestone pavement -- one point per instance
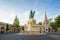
(17, 36)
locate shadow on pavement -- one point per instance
(25, 37)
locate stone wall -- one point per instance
(31, 32)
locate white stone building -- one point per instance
(46, 24)
(32, 28)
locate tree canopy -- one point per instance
(40, 23)
(16, 22)
(7, 27)
(56, 23)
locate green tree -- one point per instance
(7, 27)
(40, 23)
(57, 21)
(52, 24)
(16, 22)
(50, 20)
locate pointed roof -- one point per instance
(45, 16)
(45, 20)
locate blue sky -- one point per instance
(10, 8)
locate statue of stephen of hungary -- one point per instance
(31, 14)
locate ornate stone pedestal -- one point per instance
(32, 29)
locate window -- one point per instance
(46, 29)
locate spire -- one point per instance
(45, 16)
(45, 21)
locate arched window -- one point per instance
(46, 29)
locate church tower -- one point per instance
(45, 20)
(45, 23)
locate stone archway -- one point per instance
(49, 29)
(23, 28)
(2, 29)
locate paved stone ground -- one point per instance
(16, 36)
